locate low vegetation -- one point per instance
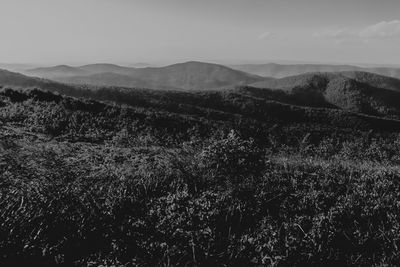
(216, 180)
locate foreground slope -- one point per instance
(167, 181)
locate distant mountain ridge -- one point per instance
(59, 70)
(188, 76)
(193, 75)
(18, 80)
(280, 70)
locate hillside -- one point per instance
(354, 91)
(18, 80)
(213, 177)
(359, 92)
(378, 81)
(246, 104)
(106, 68)
(187, 76)
(56, 71)
(14, 79)
(279, 70)
(112, 79)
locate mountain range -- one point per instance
(183, 76)
(350, 91)
(196, 75)
(281, 70)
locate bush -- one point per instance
(233, 158)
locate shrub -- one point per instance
(233, 158)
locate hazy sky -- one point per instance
(123, 31)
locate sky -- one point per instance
(168, 31)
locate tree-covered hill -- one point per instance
(353, 91)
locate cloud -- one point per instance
(267, 35)
(381, 30)
(335, 33)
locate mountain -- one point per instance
(189, 76)
(8, 78)
(279, 70)
(375, 80)
(14, 79)
(105, 68)
(318, 79)
(18, 80)
(56, 71)
(313, 100)
(112, 79)
(360, 92)
(141, 65)
(195, 76)
(17, 67)
(199, 76)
